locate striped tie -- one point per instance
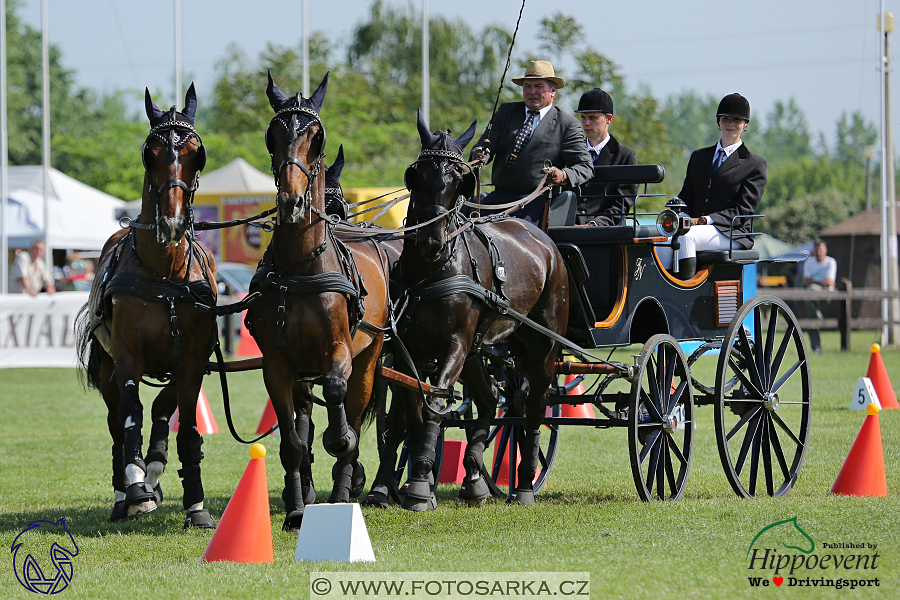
(523, 136)
(719, 159)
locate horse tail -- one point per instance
(86, 349)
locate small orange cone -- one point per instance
(206, 422)
(880, 380)
(244, 534)
(863, 471)
(452, 469)
(268, 418)
(246, 345)
(584, 411)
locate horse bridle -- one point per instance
(435, 157)
(293, 130)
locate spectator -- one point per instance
(819, 273)
(30, 274)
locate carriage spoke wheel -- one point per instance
(501, 456)
(661, 420)
(762, 424)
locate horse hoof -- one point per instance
(376, 500)
(419, 505)
(141, 508)
(201, 519)
(523, 497)
(119, 512)
(292, 521)
(476, 489)
(158, 493)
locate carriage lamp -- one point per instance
(672, 221)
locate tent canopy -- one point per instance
(236, 176)
(81, 217)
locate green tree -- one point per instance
(786, 134)
(855, 137)
(802, 217)
(559, 35)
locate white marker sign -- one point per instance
(864, 395)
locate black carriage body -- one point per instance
(621, 295)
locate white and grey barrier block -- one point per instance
(334, 532)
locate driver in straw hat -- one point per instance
(526, 134)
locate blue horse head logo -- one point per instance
(29, 571)
(787, 531)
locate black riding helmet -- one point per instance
(734, 105)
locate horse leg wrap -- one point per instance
(339, 439)
(303, 426)
(474, 487)
(190, 454)
(530, 447)
(158, 448)
(342, 474)
(358, 480)
(292, 495)
(132, 447)
(420, 478)
(119, 482)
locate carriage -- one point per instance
(621, 296)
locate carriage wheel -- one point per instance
(764, 421)
(504, 439)
(661, 420)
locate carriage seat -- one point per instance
(741, 257)
(613, 234)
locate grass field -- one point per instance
(54, 462)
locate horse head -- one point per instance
(438, 178)
(334, 195)
(295, 139)
(172, 155)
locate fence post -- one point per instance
(845, 316)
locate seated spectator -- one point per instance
(30, 274)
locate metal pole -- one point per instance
(426, 67)
(45, 128)
(178, 84)
(893, 281)
(4, 157)
(306, 90)
(885, 313)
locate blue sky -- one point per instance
(822, 53)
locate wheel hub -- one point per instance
(770, 401)
(674, 420)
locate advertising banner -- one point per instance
(38, 331)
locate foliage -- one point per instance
(801, 218)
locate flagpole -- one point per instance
(304, 8)
(178, 85)
(426, 67)
(45, 128)
(4, 158)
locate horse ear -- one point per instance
(190, 103)
(425, 134)
(153, 111)
(318, 96)
(276, 98)
(338, 165)
(466, 137)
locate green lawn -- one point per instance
(54, 462)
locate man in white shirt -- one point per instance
(30, 273)
(819, 273)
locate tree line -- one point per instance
(375, 89)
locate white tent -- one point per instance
(81, 217)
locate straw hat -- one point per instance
(540, 69)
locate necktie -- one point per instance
(718, 160)
(594, 155)
(523, 136)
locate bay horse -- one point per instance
(458, 276)
(145, 317)
(314, 291)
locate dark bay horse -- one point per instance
(144, 318)
(454, 274)
(321, 308)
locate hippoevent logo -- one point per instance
(46, 579)
(782, 553)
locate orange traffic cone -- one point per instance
(584, 411)
(206, 422)
(244, 534)
(863, 471)
(246, 345)
(268, 418)
(452, 469)
(880, 380)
